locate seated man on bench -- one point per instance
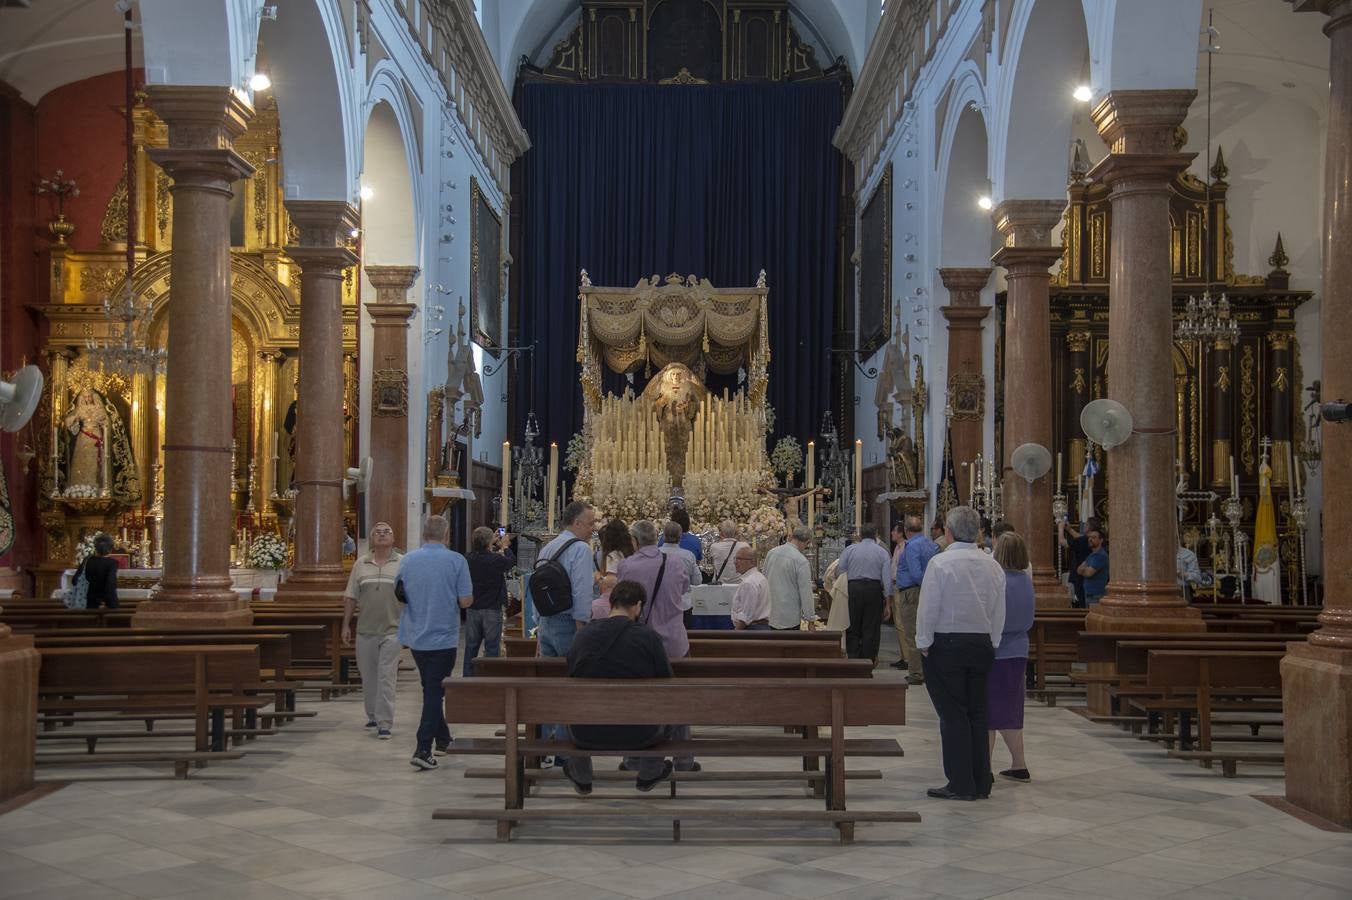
(620, 647)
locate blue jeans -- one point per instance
(554, 637)
(433, 667)
(482, 627)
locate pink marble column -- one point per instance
(966, 366)
(195, 588)
(322, 255)
(1317, 675)
(1026, 258)
(390, 316)
(1139, 128)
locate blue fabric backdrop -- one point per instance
(719, 181)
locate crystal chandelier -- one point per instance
(128, 353)
(1208, 320)
(1205, 319)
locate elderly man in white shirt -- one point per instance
(751, 603)
(792, 598)
(958, 627)
(722, 553)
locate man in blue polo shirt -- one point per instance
(434, 584)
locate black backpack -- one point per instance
(551, 588)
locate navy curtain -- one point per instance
(719, 181)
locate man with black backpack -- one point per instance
(561, 588)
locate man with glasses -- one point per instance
(751, 603)
(371, 587)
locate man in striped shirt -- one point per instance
(371, 588)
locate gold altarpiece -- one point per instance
(265, 337)
(1228, 396)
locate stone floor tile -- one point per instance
(1264, 885)
(331, 879)
(1114, 884)
(645, 882)
(486, 879)
(801, 882)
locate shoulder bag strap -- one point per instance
(718, 576)
(657, 585)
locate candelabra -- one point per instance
(60, 187)
(1213, 538)
(1234, 511)
(1060, 509)
(1300, 509)
(253, 483)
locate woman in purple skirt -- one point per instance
(1005, 686)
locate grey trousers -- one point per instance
(647, 767)
(378, 662)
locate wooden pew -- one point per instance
(1051, 650)
(837, 703)
(735, 667)
(1207, 673)
(274, 656)
(826, 637)
(766, 649)
(203, 679)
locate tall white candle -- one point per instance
(858, 485)
(1058, 471)
(1291, 468)
(506, 483)
(553, 492)
(811, 483)
(1234, 479)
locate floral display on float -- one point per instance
(575, 452)
(766, 527)
(85, 548)
(267, 551)
(787, 458)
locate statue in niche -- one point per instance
(95, 453)
(901, 461)
(676, 394)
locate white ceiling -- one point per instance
(56, 42)
(1264, 44)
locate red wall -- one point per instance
(79, 129)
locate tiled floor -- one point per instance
(325, 810)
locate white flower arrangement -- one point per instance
(82, 492)
(766, 522)
(85, 548)
(267, 551)
(575, 453)
(787, 458)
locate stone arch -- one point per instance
(1048, 56)
(1142, 44)
(309, 61)
(199, 42)
(965, 233)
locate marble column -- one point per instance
(1139, 128)
(322, 255)
(966, 367)
(1317, 675)
(195, 587)
(390, 316)
(1026, 258)
(18, 712)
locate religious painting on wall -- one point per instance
(875, 267)
(485, 285)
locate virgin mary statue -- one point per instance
(95, 454)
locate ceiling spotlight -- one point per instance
(1084, 93)
(985, 203)
(354, 233)
(260, 82)
(367, 192)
